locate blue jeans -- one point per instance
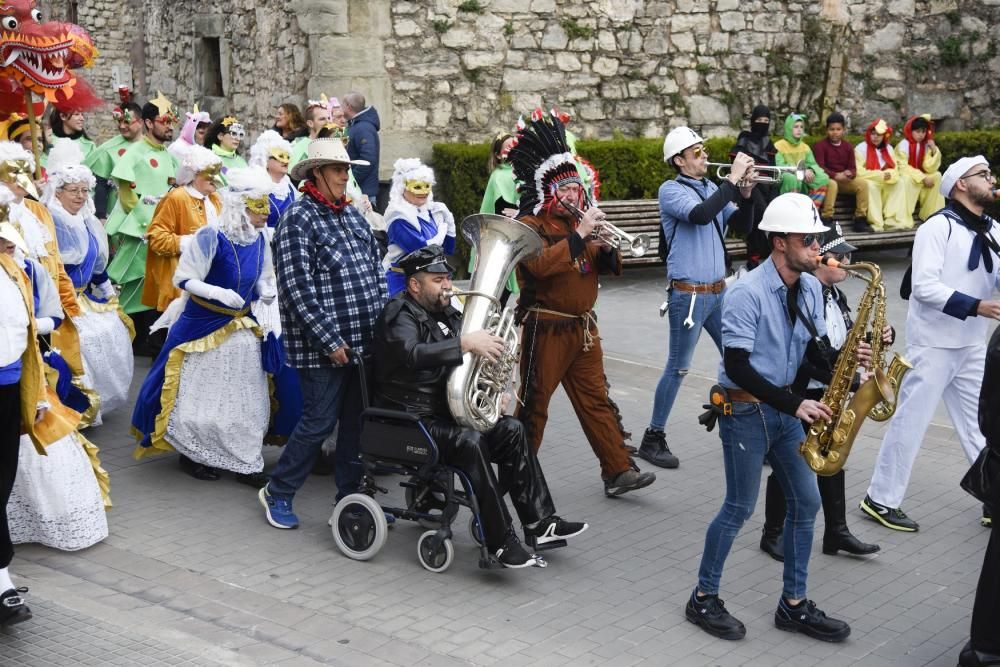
(756, 430)
(708, 315)
(329, 395)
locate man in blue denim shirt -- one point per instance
(331, 289)
(772, 319)
(695, 215)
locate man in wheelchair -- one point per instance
(417, 344)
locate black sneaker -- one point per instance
(553, 529)
(709, 613)
(12, 607)
(655, 450)
(890, 517)
(513, 554)
(987, 520)
(809, 620)
(626, 481)
(862, 226)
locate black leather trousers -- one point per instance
(520, 474)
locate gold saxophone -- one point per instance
(828, 443)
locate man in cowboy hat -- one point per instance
(331, 289)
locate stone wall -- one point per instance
(444, 70)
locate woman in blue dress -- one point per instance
(206, 395)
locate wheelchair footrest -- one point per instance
(489, 563)
(557, 544)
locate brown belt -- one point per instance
(699, 288)
(742, 396)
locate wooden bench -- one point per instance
(642, 216)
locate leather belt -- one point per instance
(699, 288)
(742, 396)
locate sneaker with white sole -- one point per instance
(513, 554)
(277, 509)
(553, 529)
(890, 517)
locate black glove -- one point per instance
(718, 405)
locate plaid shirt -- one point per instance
(331, 287)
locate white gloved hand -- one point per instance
(268, 297)
(186, 242)
(105, 290)
(44, 325)
(226, 296)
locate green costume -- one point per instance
(299, 149)
(103, 159)
(502, 185)
(791, 151)
(145, 171)
(230, 160)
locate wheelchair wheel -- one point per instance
(359, 526)
(432, 500)
(475, 530)
(435, 558)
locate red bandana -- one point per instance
(310, 189)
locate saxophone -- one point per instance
(828, 443)
(476, 389)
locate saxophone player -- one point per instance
(771, 320)
(417, 344)
(836, 535)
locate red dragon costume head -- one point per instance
(38, 57)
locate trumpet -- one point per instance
(613, 236)
(764, 173)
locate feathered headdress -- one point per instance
(541, 159)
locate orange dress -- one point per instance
(178, 214)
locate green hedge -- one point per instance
(634, 168)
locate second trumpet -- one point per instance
(765, 173)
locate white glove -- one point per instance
(44, 325)
(267, 298)
(186, 242)
(215, 293)
(105, 290)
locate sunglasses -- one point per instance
(700, 151)
(809, 239)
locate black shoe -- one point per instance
(772, 545)
(987, 519)
(513, 554)
(553, 529)
(970, 657)
(862, 226)
(12, 607)
(626, 481)
(655, 450)
(843, 540)
(709, 613)
(890, 517)
(198, 471)
(809, 620)
(257, 480)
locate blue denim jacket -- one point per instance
(696, 252)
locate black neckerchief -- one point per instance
(984, 246)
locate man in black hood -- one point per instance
(756, 142)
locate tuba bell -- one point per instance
(475, 389)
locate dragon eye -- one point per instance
(37, 15)
(9, 22)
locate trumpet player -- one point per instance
(955, 272)
(561, 344)
(695, 215)
(417, 344)
(772, 319)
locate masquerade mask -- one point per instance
(236, 131)
(123, 115)
(279, 155)
(418, 187)
(258, 205)
(168, 118)
(167, 114)
(214, 174)
(18, 172)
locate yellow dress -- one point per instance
(887, 200)
(929, 199)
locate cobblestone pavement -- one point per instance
(192, 574)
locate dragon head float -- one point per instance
(39, 57)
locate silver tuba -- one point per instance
(476, 388)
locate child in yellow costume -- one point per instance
(887, 203)
(792, 150)
(919, 162)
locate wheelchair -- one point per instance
(397, 442)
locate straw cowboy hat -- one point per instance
(323, 152)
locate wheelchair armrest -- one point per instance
(385, 413)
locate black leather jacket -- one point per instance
(414, 356)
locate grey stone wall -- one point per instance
(463, 69)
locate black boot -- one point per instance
(774, 520)
(655, 450)
(837, 537)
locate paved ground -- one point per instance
(192, 574)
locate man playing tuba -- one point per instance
(417, 345)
